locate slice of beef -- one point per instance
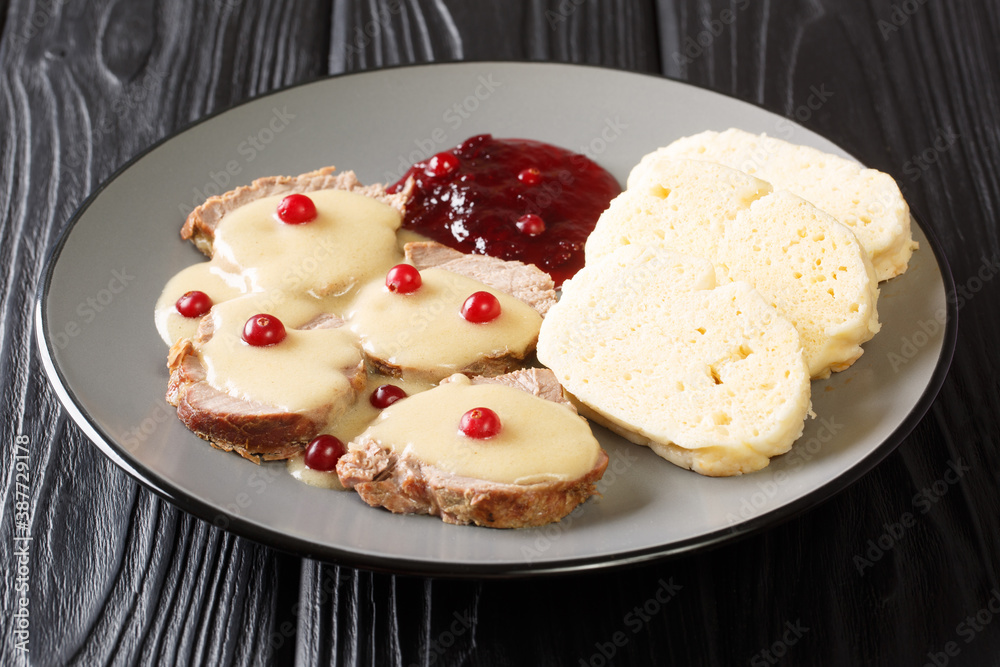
(484, 366)
(538, 381)
(201, 222)
(429, 254)
(323, 321)
(525, 282)
(253, 429)
(403, 484)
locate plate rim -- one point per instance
(306, 548)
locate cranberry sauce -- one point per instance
(512, 199)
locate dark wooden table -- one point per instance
(116, 575)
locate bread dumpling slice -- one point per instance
(867, 201)
(709, 376)
(812, 269)
(683, 205)
(805, 263)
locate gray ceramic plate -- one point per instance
(106, 361)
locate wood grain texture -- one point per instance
(119, 576)
(616, 33)
(116, 574)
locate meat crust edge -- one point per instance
(525, 282)
(404, 485)
(486, 366)
(253, 430)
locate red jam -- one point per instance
(474, 203)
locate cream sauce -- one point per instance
(352, 423)
(205, 277)
(352, 239)
(349, 426)
(425, 330)
(540, 441)
(325, 480)
(307, 370)
(404, 236)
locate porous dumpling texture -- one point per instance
(805, 263)
(812, 269)
(683, 205)
(711, 377)
(867, 201)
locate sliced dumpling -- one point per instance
(812, 269)
(684, 205)
(867, 201)
(804, 262)
(709, 376)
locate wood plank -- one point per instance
(616, 33)
(117, 574)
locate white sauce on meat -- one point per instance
(335, 266)
(425, 329)
(352, 240)
(540, 440)
(308, 370)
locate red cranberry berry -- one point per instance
(323, 453)
(296, 209)
(481, 307)
(386, 395)
(530, 176)
(403, 279)
(441, 164)
(262, 330)
(194, 304)
(531, 224)
(480, 423)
